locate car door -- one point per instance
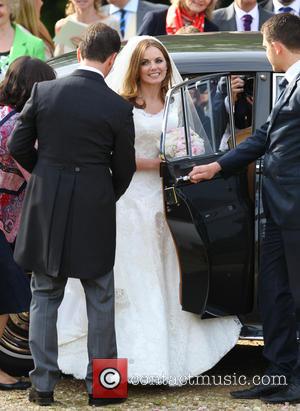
(211, 222)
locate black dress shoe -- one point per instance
(290, 394)
(101, 402)
(19, 385)
(41, 397)
(256, 392)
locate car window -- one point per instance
(197, 121)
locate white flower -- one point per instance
(175, 143)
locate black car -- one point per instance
(217, 225)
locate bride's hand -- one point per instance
(156, 163)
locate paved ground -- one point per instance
(247, 360)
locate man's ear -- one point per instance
(78, 54)
(278, 47)
(111, 59)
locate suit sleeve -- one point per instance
(246, 152)
(148, 25)
(216, 18)
(21, 144)
(123, 156)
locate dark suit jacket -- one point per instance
(267, 5)
(225, 18)
(154, 24)
(145, 7)
(84, 163)
(278, 140)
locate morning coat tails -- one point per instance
(84, 162)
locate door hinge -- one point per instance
(171, 196)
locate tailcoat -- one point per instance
(83, 163)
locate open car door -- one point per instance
(211, 222)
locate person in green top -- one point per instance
(15, 41)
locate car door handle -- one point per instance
(182, 178)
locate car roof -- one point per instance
(220, 51)
(201, 53)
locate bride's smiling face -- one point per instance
(153, 66)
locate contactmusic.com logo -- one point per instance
(110, 378)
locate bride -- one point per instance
(157, 337)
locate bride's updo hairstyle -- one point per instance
(130, 88)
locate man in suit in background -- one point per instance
(282, 6)
(84, 162)
(241, 15)
(279, 279)
(130, 14)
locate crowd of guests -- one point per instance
(140, 17)
(22, 33)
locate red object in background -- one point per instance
(110, 378)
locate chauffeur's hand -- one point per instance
(205, 172)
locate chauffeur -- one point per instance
(278, 140)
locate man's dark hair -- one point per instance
(283, 27)
(19, 79)
(99, 42)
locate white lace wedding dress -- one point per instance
(156, 336)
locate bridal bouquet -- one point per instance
(176, 144)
